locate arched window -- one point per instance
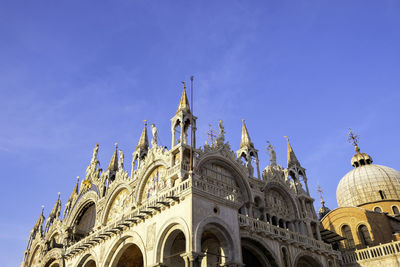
(346, 233)
(395, 210)
(377, 209)
(364, 235)
(382, 194)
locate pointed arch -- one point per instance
(110, 199)
(234, 167)
(146, 175)
(272, 185)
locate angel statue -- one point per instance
(271, 152)
(154, 131)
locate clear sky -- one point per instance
(73, 73)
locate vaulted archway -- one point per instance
(256, 254)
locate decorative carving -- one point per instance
(154, 132)
(121, 160)
(221, 136)
(271, 152)
(151, 236)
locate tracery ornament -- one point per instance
(156, 182)
(277, 204)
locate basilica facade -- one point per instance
(184, 206)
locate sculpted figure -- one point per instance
(154, 132)
(95, 151)
(271, 152)
(221, 135)
(221, 128)
(121, 160)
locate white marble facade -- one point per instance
(223, 213)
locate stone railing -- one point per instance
(372, 252)
(147, 208)
(255, 225)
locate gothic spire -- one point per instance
(245, 140)
(113, 166)
(143, 141)
(39, 223)
(75, 191)
(184, 102)
(291, 157)
(57, 205)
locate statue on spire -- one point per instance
(271, 152)
(121, 160)
(92, 171)
(221, 135)
(155, 136)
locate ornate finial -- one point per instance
(59, 195)
(191, 78)
(287, 138)
(42, 208)
(184, 85)
(353, 139)
(211, 135)
(116, 145)
(77, 179)
(320, 191)
(145, 122)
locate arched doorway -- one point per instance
(307, 261)
(214, 249)
(131, 256)
(174, 246)
(255, 254)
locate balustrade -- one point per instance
(381, 250)
(268, 229)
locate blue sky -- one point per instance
(73, 73)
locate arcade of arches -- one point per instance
(158, 211)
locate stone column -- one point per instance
(309, 230)
(173, 130)
(258, 168)
(192, 259)
(318, 232)
(183, 141)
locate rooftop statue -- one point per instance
(154, 132)
(271, 152)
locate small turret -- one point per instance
(247, 151)
(291, 157)
(295, 170)
(323, 210)
(180, 123)
(113, 166)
